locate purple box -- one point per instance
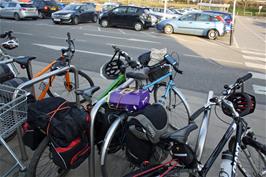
(129, 99)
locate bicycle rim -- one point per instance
(59, 87)
(176, 109)
(42, 164)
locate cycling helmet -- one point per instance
(112, 69)
(10, 44)
(244, 104)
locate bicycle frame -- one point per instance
(170, 86)
(121, 79)
(235, 125)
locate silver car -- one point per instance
(18, 10)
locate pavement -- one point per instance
(206, 65)
(195, 100)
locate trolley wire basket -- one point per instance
(12, 112)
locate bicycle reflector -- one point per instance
(244, 104)
(112, 69)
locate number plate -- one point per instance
(53, 8)
(57, 20)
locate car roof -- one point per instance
(217, 12)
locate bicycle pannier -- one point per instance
(67, 127)
(5, 73)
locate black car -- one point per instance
(45, 7)
(126, 16)
(75, 14)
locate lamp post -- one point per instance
(165, 6)
(233, 23)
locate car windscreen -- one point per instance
(72, 7)
(27, 5)
(50, 3)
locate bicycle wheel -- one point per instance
(58, 87)
(252, 158)
(177, 110)
(42, 164)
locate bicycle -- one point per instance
(120, 122)
(232, 106)
(59, 85)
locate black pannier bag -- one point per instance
(5, 73)
(144, 130)
(67, 127)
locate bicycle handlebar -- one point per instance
(223, 99)
(172, 61)
(7, 34)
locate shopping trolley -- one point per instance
(13, 112)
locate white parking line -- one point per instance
(99, 29)
(258, 89)
(254, 53)
(121, 31)
(148, 34)
(121, 38)
(56, 47)
(255, 65)
(132, 47)
(27, 34)
(254, 58)
(258, 75)
(236, 43)
(64, 38)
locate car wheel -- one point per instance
(138, 26)
(168, 29)
(56, 22)
(104, 23)
(16, 16)
(75, 20)
(95, 18)
(41, 15)
(212, 34)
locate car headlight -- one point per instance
(67, 15)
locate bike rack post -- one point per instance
(34, 81)
(202, 135)
(91, 159)
(107, 141)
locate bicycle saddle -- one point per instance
(180, 135)
(88, 92)
(23, 60)
(141, 74)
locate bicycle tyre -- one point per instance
(38, 156)
(84, 82)
(176, 108)
(255, 152)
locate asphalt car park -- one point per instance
(207, 64)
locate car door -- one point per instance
(3, 9)
(117, 16)
(131, 17)
(185, 24)
(203, 23)
(10, 10)
(90, 12)
(82, 11)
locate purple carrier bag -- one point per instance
(129, 99)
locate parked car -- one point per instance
(60, 5)
(18, 10)
(159, 13)
(45, 7)
(75, 14)
(201, 24)
(109, 6)
(227, 17)
(126, 16)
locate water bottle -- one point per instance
(226, 165)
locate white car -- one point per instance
(159, 13)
